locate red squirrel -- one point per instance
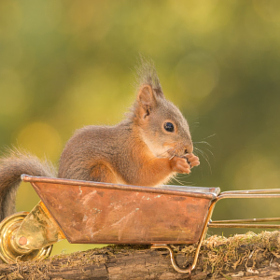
(147, 148)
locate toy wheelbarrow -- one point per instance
(103, 213)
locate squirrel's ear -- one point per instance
(146, 100)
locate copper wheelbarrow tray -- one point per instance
(89, 212)
(96, 213)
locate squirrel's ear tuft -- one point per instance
(146, 99)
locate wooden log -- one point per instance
(247, 256)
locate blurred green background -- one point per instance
(66, 64)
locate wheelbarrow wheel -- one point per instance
(10, 252)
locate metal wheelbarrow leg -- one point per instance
(191, 267)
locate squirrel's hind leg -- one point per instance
(103, 173)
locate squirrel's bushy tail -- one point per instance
(12, 167)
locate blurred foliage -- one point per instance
(66, 64)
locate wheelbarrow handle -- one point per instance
(253, 191)
(247, 223)
(272, 193)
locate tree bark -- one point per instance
(248, 256)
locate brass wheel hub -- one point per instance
(10, 249)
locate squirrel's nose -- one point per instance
(189, 149)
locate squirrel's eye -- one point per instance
(168, 126)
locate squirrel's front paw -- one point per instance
(192, 160)
(180, 165)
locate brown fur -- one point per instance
(137, 151)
